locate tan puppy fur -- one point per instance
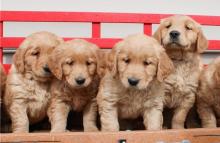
(132, 85)
(27, 87)
(75, 65)
(208, 99)
(183, 40)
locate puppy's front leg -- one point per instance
(153, 119)
(89, 116)
(58, 113)
(207, 116)
(109, 116)
(19, 118)
(181, 112)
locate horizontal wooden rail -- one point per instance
(14, 42)
(34, 16)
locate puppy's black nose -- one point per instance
(174, 34)
(133, 81)
(80, 80)
(46, 69)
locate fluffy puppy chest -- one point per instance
(131, 104)
(181, 83)
(78, 98)
(36, 97)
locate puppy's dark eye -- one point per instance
(146, 63)
(35, 53)
(88, 63)
(127, 61)
(69, 62)
(168, 26)
(188, 27)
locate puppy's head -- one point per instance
(137, 60)
(32, 55)
(75, 62)
(181, 33)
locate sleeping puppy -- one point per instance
(183, 41)
(132, 85)
(27, 87)
(208, 99)
(76, 85)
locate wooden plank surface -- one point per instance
(165, 136)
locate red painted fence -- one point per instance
(96, 18)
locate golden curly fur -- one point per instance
(27, 87)
(208, 99)
(76, 85)
(132, 84)
(183, 41)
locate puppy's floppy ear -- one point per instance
(99, 57)
(102, 62)
(112, 61)
(165, 66)
(202, 42)
(55, 63)
(157, 34)
(19, 57)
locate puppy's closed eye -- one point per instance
(35, 53)
(188, 27)
(90, 62)
(126, 60)
(146, 63)
(168, 26)
(69, 62)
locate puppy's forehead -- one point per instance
(140, 45)
(180, 19)
(77, 47)
(42, 39)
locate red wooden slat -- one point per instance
(1, 55)
(13, 42)
(148, 29)
(1, 35)
(7, 67)
(96, 29)
(96, 17)
(214, 44)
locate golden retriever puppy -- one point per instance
(76, 85)
(183, 41)
(208, 99)
(27, 87)
(132, 86)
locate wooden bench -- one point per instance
(194, 135)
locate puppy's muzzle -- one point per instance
(80, 80)
(133, 81)
(174, 35)
(46, 70)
